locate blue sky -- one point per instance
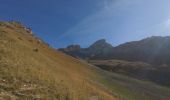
(64, 22)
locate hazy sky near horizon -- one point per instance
(64, 22)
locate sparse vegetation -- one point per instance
(46, 75)
(128, 88)
(52, 75)
(139, 70)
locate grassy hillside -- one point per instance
(128, 88)
(31, 70)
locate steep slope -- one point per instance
(30, 69)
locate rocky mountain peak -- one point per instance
(100, 44)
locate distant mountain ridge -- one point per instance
(154, 50)
(97, 49)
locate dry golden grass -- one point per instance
(30, 69)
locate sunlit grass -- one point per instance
(46, 73)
